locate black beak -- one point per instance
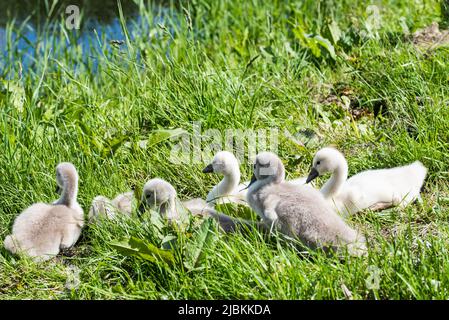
(58, 189)
(312, 175)
(253, 179)
(208, 169)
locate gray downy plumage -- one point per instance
(298, 211)
(104, 207)
(42, 230)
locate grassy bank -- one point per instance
(348, 73)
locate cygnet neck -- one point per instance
(333, 186)
(230, 181)
(69, 192)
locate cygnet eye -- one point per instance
(318, 162)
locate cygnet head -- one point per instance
(101, 206)
(224, 162)
(65, 174)
(268, 168)
(157, 193)
(325, 160)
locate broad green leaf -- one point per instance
(314, 43)
(114, 144)
(306, 41)
(326, 44)
(146, 248)
(117, 142)
(204, 239)
(313, 46)
(125, 249)
(335, 32)
(135, 247)
(300, 34)
(158, 136)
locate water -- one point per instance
(41, 22)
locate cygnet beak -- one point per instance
(208, 169)
(312, 175)
(253, 179)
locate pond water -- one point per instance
(40, 22)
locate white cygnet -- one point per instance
(42, 230)
(229, 188)
(373, 189)
(104, 207)
(124, 202)
(298, 211)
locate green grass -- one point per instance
(230, 64)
